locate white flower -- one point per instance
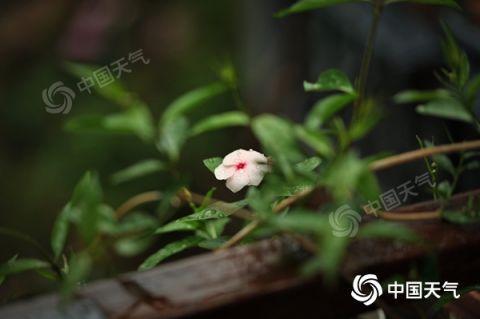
(241, 168)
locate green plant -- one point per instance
(316, 154)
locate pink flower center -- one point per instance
(240, 166)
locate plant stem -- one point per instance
(368, 52)
(421, 153)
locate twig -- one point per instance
(410, 216)
(368, 53)
(421, 153)
(136, 201)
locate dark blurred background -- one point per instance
(185, 41)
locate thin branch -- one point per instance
(421, 153)
(368, 53)
(136, 201)
(410, 216)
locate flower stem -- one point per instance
(368, 52)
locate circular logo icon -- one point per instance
(55, 107)
(366, 282)
(344, 221)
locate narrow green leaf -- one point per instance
(135, 222)
(413, 96)
(447, 3)
(324, 109)
(316, 140)
(445, 108)
(309, 164)
(169, 250)
(79, 269)
(60, 230)
(173, 135)
(137, 170)
(14, 265)
(132, 246)
(207, 213)
(212, 163)
(343, 175)
(330, 80)
(383, 229)
(114, 91)
(87, 197)
(461, 217)
(191, 100)
(219, 121)
(212, 243)
(178, 226)
(278, 139)
(135, 120)
(307, 5)
(302, 221)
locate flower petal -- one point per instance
(256, 174)
(256, 157)
(238, 181)
(224, 172)
(235, 157)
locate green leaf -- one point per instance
(178, 226)
(447, 3)
(132, 246)
(461, 217)
(413, 96)
(383, 229)
(309, 164)
(207, 213)
(219, 121)
(172, 137)
(137, 170)
(132, 223)
(60, 230)
(170, 250)
(79, 269)
(302, 221)
(324, 109)
(191, 100)
(307, 5)
(15, 266)
(212, 243)
(368, 116)
(86, 198)
(343, 176)
(316, 140)
(458, 71)
(445, 108)
(332, 249)
(113, 91)
(135, 120)
(330, 80)
(212, 163)
(473, 87)
(215, 228)
(278, 139)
